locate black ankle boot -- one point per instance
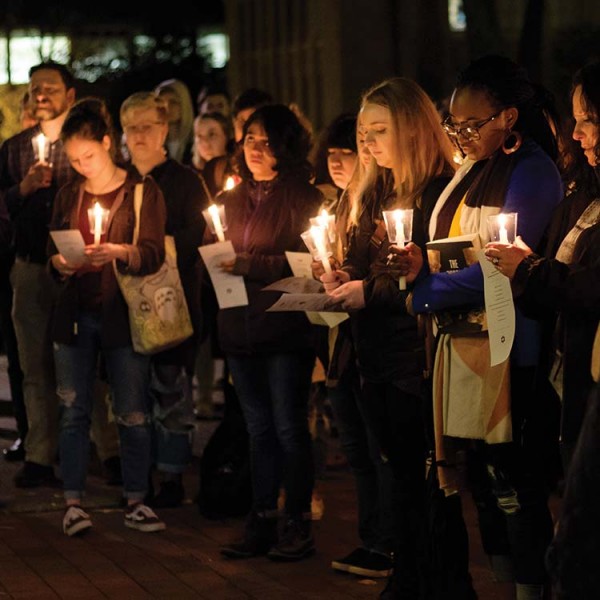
(296, 541)
(171, 495)
(260, 534)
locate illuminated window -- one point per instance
(28, 49)
(215, 49)
(456, 15)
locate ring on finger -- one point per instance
(496, 260)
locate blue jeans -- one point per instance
(273, 391)
(372, 473)
(128, 376)
(173, 417)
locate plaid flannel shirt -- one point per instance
(30, 216)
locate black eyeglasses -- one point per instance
(470, 132)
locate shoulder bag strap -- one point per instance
(138, 196)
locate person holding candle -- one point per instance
(372, 474)
(270, 355)
(497, 118)
(144, 120)
(411, 163)
(560, 286)
(91, 315)
(28, 188)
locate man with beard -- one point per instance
(28, 185)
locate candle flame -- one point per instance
(97, 211)
(323, 219)
(213, 211)
(229, 183)
(502, 220)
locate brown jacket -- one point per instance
(143, 258)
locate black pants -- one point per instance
(15, 375)
(510, 490)
(395, 417)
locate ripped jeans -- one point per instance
(128, 375)
(173, 417)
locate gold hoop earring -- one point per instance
(512, 142)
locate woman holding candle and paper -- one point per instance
(372, 473)
(412, 162)
(270, 355)
(562, 286)
(91, 315)
(498, 120)
(144, 118)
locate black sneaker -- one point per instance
(365, 563)
(143, 518)
(16, 452)
(32, 475)
(171, 495)
(296, 542)
(260, 533)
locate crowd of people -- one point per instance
(422, 413)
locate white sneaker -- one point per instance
(143, 518)
(76, 521)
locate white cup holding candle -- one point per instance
(41, 148)
(214, 216)
(326, 221)
(399, 224)
(98, 220)
(502, 228)
(317, 242)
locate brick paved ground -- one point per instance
(37, 561)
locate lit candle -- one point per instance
(327, 221)
(41, 146)
(400, 239)
(98, 210)
(502, 232)
(229, 184)
(399, 220)
(318, 235)
(213, 211)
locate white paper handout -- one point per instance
(500, 310)
(300, 264)
(295, 285)
(70, 244)
(291, 302)
(229, 289)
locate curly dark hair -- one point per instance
(588, 78)
(580, 172)
(289, 142)
(507, 84)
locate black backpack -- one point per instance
(225, 484)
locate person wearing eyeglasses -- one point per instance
(144, 117)
(498, 120)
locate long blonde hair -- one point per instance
(423, 148)
(182, 135)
